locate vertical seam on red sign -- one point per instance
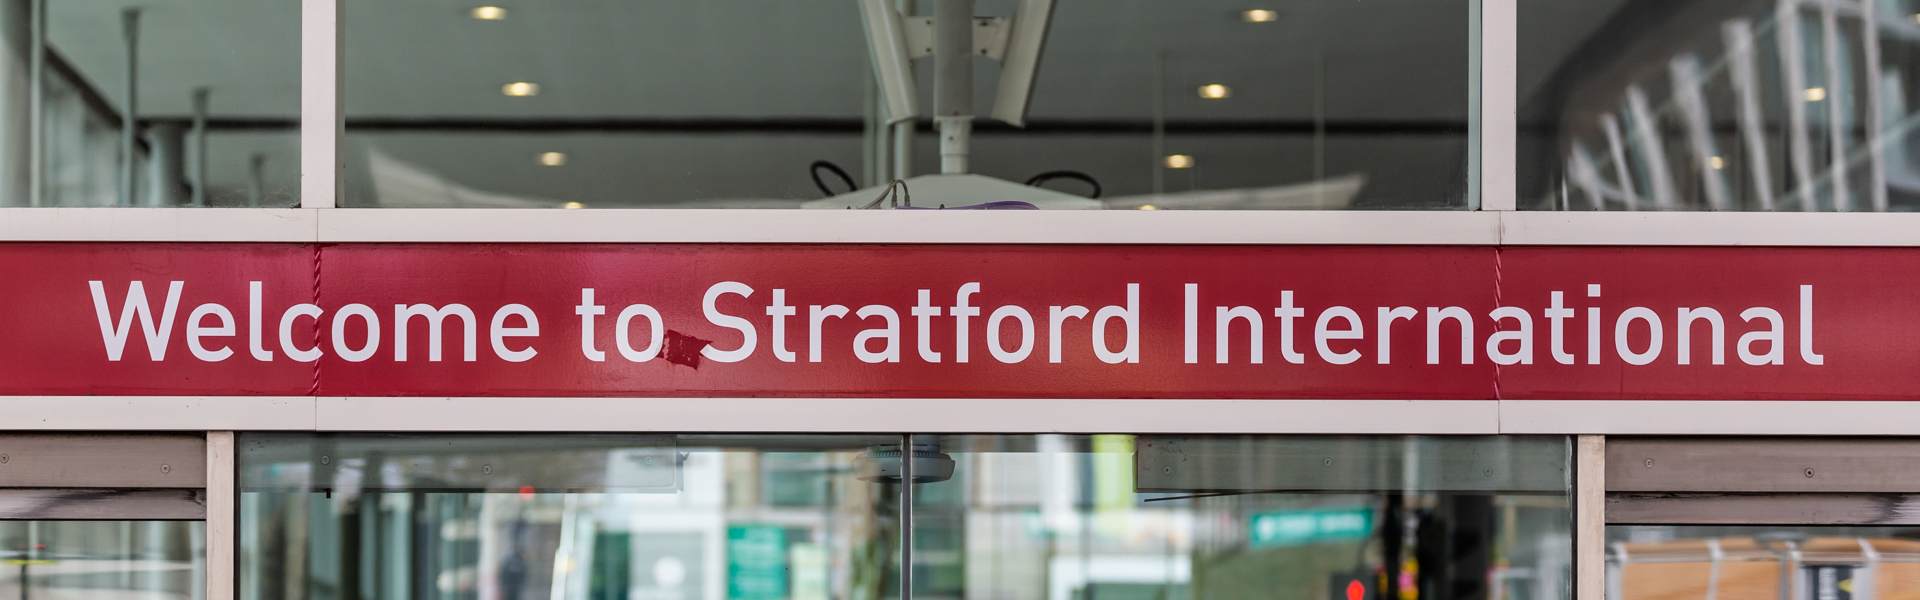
(1497, 289)
(314, 390)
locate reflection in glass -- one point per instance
(119, 103)
(563, 517)
(103, 560)
(1753, 105)
(733, 103)
(814, 517)
(1183, 517)
(1754, 562)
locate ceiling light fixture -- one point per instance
(1816, 94)
(1149, 207)
(1260, 16)
(520, 88)
(1716, 163)
(573, 205)
(1179, 161)
(553, 159)
(489, 13)
(1215, 91)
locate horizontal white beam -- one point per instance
(1521, 228)
(156, 413)
(893, 415)
(843, 415)
(908, 226)
(1710, 417)
(156, 225)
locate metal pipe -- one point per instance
(257, 179)
(36, 102)
(1837, 95)
(1740, 58)
(200, 146)
(953, 81)
(1159, 124)
(1786, 25)
(903, 128)
(166, 164)
(1876, 113)
(130, 25)
(906, 516)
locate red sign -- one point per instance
(959, 321)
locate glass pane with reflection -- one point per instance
(1134, 104)
(187, 103)
(1762, 562)
(103, 560)
(1722, 105)
(564, 517)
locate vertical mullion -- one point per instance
(1499, 68)
(222, 505)
(321, 119)
(1589, 517)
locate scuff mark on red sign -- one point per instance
(683, 349)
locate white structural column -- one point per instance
(322, 121)
(1589, 517)
(1499, 104)
(222, 506)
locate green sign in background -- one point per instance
(756, 562)
(1295, 527)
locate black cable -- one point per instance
(1036, 180)
(815, 172)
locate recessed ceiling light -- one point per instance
(1214, 91)
(1716, 163)
(553, 159)
(1816, 94)
(1179, 161)
(573, 205)
(1149, 207)
(520, 88)
(1260, 16)
(489, 13)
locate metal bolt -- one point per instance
(325, 460)
(1328, 462)
(1489, 472)
(1167, 470)
(1809, 471)
(646, 460)
(165, 469)
(1649, 463)
(486, 469)
(3, 459)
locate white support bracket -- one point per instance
(990, 36)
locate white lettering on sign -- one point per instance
(1339, 333)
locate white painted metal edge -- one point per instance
(156, 413)
(222, 515)
(1437, 417)
(322, 123)
(1499, 104)
(908, 227)
(1710, 417)
(1533, 228)
(840, 415)
(1513, 228)
(1590, 517)
(156, 225)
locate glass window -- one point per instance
(816, 517)
(1780, 105)
(142, 104)
(1645, 562)
(754, 104)
(103, 560)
